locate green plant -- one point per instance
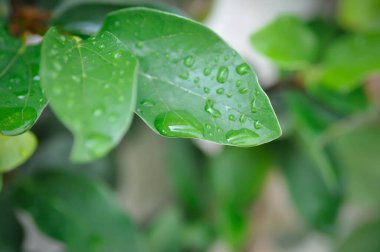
(100, 63)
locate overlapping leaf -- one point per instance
(21, 98)
(92, 88)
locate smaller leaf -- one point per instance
(78, 211)
(363, 15)
(92, 89)
(16, 150)
(21, 97)
(365, 238)
(287, 41)
(349, 60)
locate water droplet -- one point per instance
(102, 46)
(242, 137)
(232, 118)
(167, 56)
(222, 75)
(112, 118)
(57, 66)
(226, 57)
(257, 125)
(184, 75)
(189, 61)
(210, 108)
(121, 98)
(253, 106)
(243, 90)
(107, 86)
(216, 59)
(208, 126)
(21, 97)
(139, 44)
(243, 118)
(147, 103)
(196, 80)
(219, 130)
(220, 91)
(97, 144)
(117, 23)
(98, 112)
(207, 71)
(57, 90)
(36, 78)
(242, 69)
(75, 78)
(117, 55)
(238, 83)
(178, 124)
(206, 90)
(63, 38)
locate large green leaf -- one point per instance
(16, 150)
(191, 83)
(11, 232)
(91, 85)
(77, 211)
(236, 177)
(349, 60)
(288, 41)
(86, 17)
(363, 15)
(311, 169)
(365, 238)
(21, 98)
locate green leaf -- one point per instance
(77, 211)
(288, 41)
(91, 85)
(236, 177)
(365, 238)
(311, 169)
(11, 232)
(358, 151)
(86, 17)
(21, 98)
(16, 150)
(185, 164)
(316, 201)
(349, 60)
(363, 15)
(191, 83)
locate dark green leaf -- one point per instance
(237, 176)
(16, 150)
(317, 202)
(287, 41)
(11, 232)
(349, 60)
(77, 211)
(363, 15)
(365, 238)
(86, 17)
(185, 164)
(91, 85)
(191, 83)
(21, 98)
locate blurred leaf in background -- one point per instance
(77, 211)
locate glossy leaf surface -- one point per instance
(16, 150)
(349, 60)
(287, 41)
(77, 211)
(21, 98)
(92, 88)
(191, 83)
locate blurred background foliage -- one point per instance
(315, 189)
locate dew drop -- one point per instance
(184, 75)
(139, 44)
(210, 108)
(243, 90)
(96, 143)
(220, 91)
(207, 71)
(206, 90)
(232, 118)
(117, 23)
(189, 61)
(102, 46)
(222, 75)
(243, 118)
(98, 112)
(257, 125)
(238, 83)
(196, 80)
(75, 78)
(242, 137)
(242, 69)
(253, 106)
(117, 55)
(147, 103)
(208, 126)
(219, 130)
